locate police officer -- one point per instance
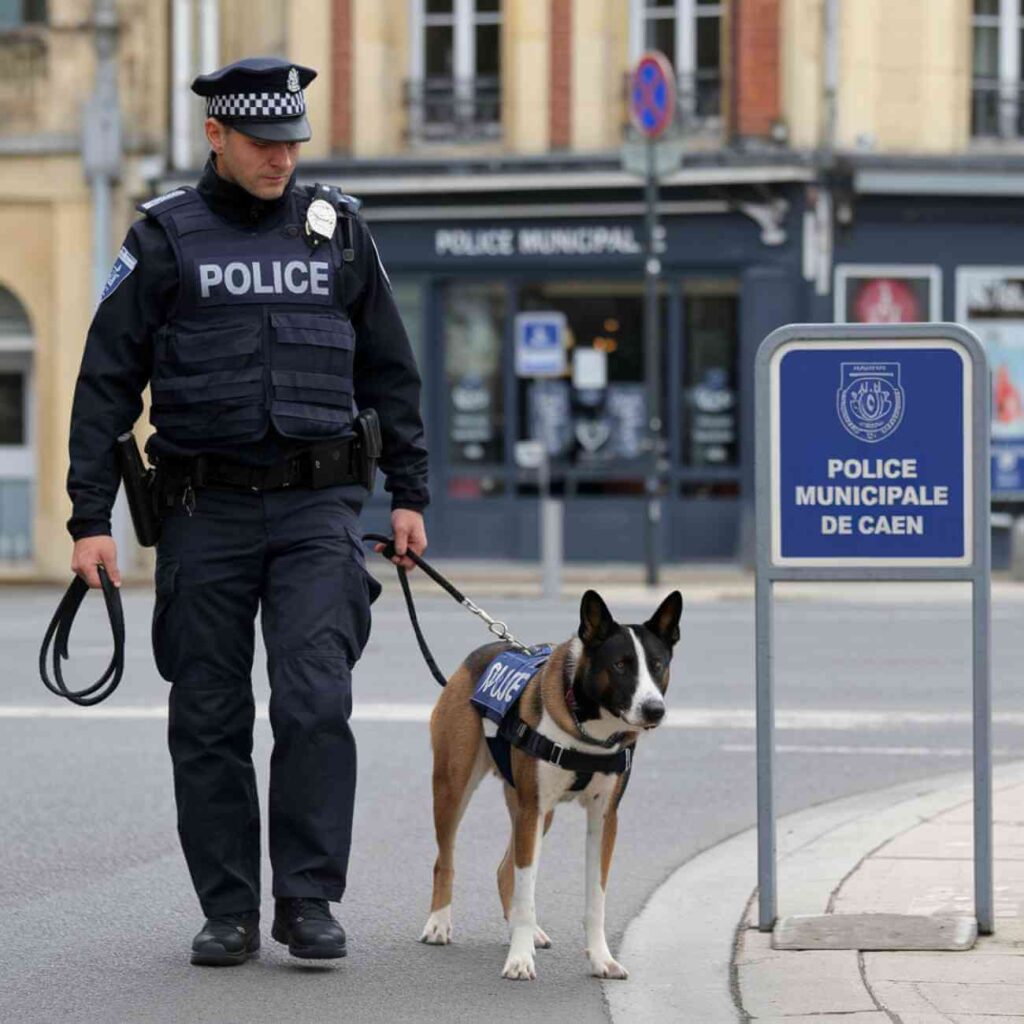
(261, 316)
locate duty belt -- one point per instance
(323, 465)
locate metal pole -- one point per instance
(983, 892)
(101, 205)
(101, 146)
(765, 755)
(209, 60)
(981, 605)
(181, 107)
(652, 372)
(550, 532)
(101, 158)
(831, 82)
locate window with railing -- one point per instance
(689, 33)
(996, 82)
(454, 89)
(15, 13)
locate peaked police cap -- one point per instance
(260, 96)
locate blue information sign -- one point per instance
(872, 453)
(872, 463)
(540, 351)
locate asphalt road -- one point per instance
(96, 902)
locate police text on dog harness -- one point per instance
(496, 697)
(501, 683)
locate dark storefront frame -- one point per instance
(719, 241)
(603, 528)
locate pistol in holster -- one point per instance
(139, 489)
(369, 446)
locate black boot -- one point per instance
(306, 926)
(227, 940)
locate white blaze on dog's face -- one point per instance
(623, 670)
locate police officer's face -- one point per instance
(262, 168)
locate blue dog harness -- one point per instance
(496, 698)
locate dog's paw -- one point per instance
(540, 939)
(608, 968)
(438, 929)
(519, 968)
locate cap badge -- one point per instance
(293, 80)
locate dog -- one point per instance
(595, 694)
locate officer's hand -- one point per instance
(92, 551)
(409, 533)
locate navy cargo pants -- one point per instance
(294, 554)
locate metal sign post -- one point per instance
(652, 108)
(873, 464)
(540, 352)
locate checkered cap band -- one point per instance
(257, 104)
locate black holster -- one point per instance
(138, 488)
(369, 446)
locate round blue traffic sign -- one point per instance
(652, 94)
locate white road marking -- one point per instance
(811, 719)
(810, 748)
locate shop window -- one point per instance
(710, 421)
(454, 90)
(595, 435)
(997, 66)
(689, 33)
(474, 326)
(17, 465)
(12, 409)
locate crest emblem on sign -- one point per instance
(293, 80)
(870, 400)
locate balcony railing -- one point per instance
(453, 110)
(996, 112)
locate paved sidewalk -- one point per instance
(904, 850)
(926, 868)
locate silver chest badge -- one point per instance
(321, 219)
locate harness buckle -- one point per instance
(628, 751)
(559, 750)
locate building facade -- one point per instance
(828, 160)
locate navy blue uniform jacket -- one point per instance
(118, 360)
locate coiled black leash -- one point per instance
(59, 631)
(499, 629)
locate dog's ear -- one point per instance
(596, 622)
(664, 623)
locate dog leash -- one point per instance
(59, 631)
(498, 628)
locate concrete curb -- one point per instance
(679, 949)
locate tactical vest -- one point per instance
(258, 334)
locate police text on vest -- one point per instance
(269, 277)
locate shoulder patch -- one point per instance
(123, 266)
